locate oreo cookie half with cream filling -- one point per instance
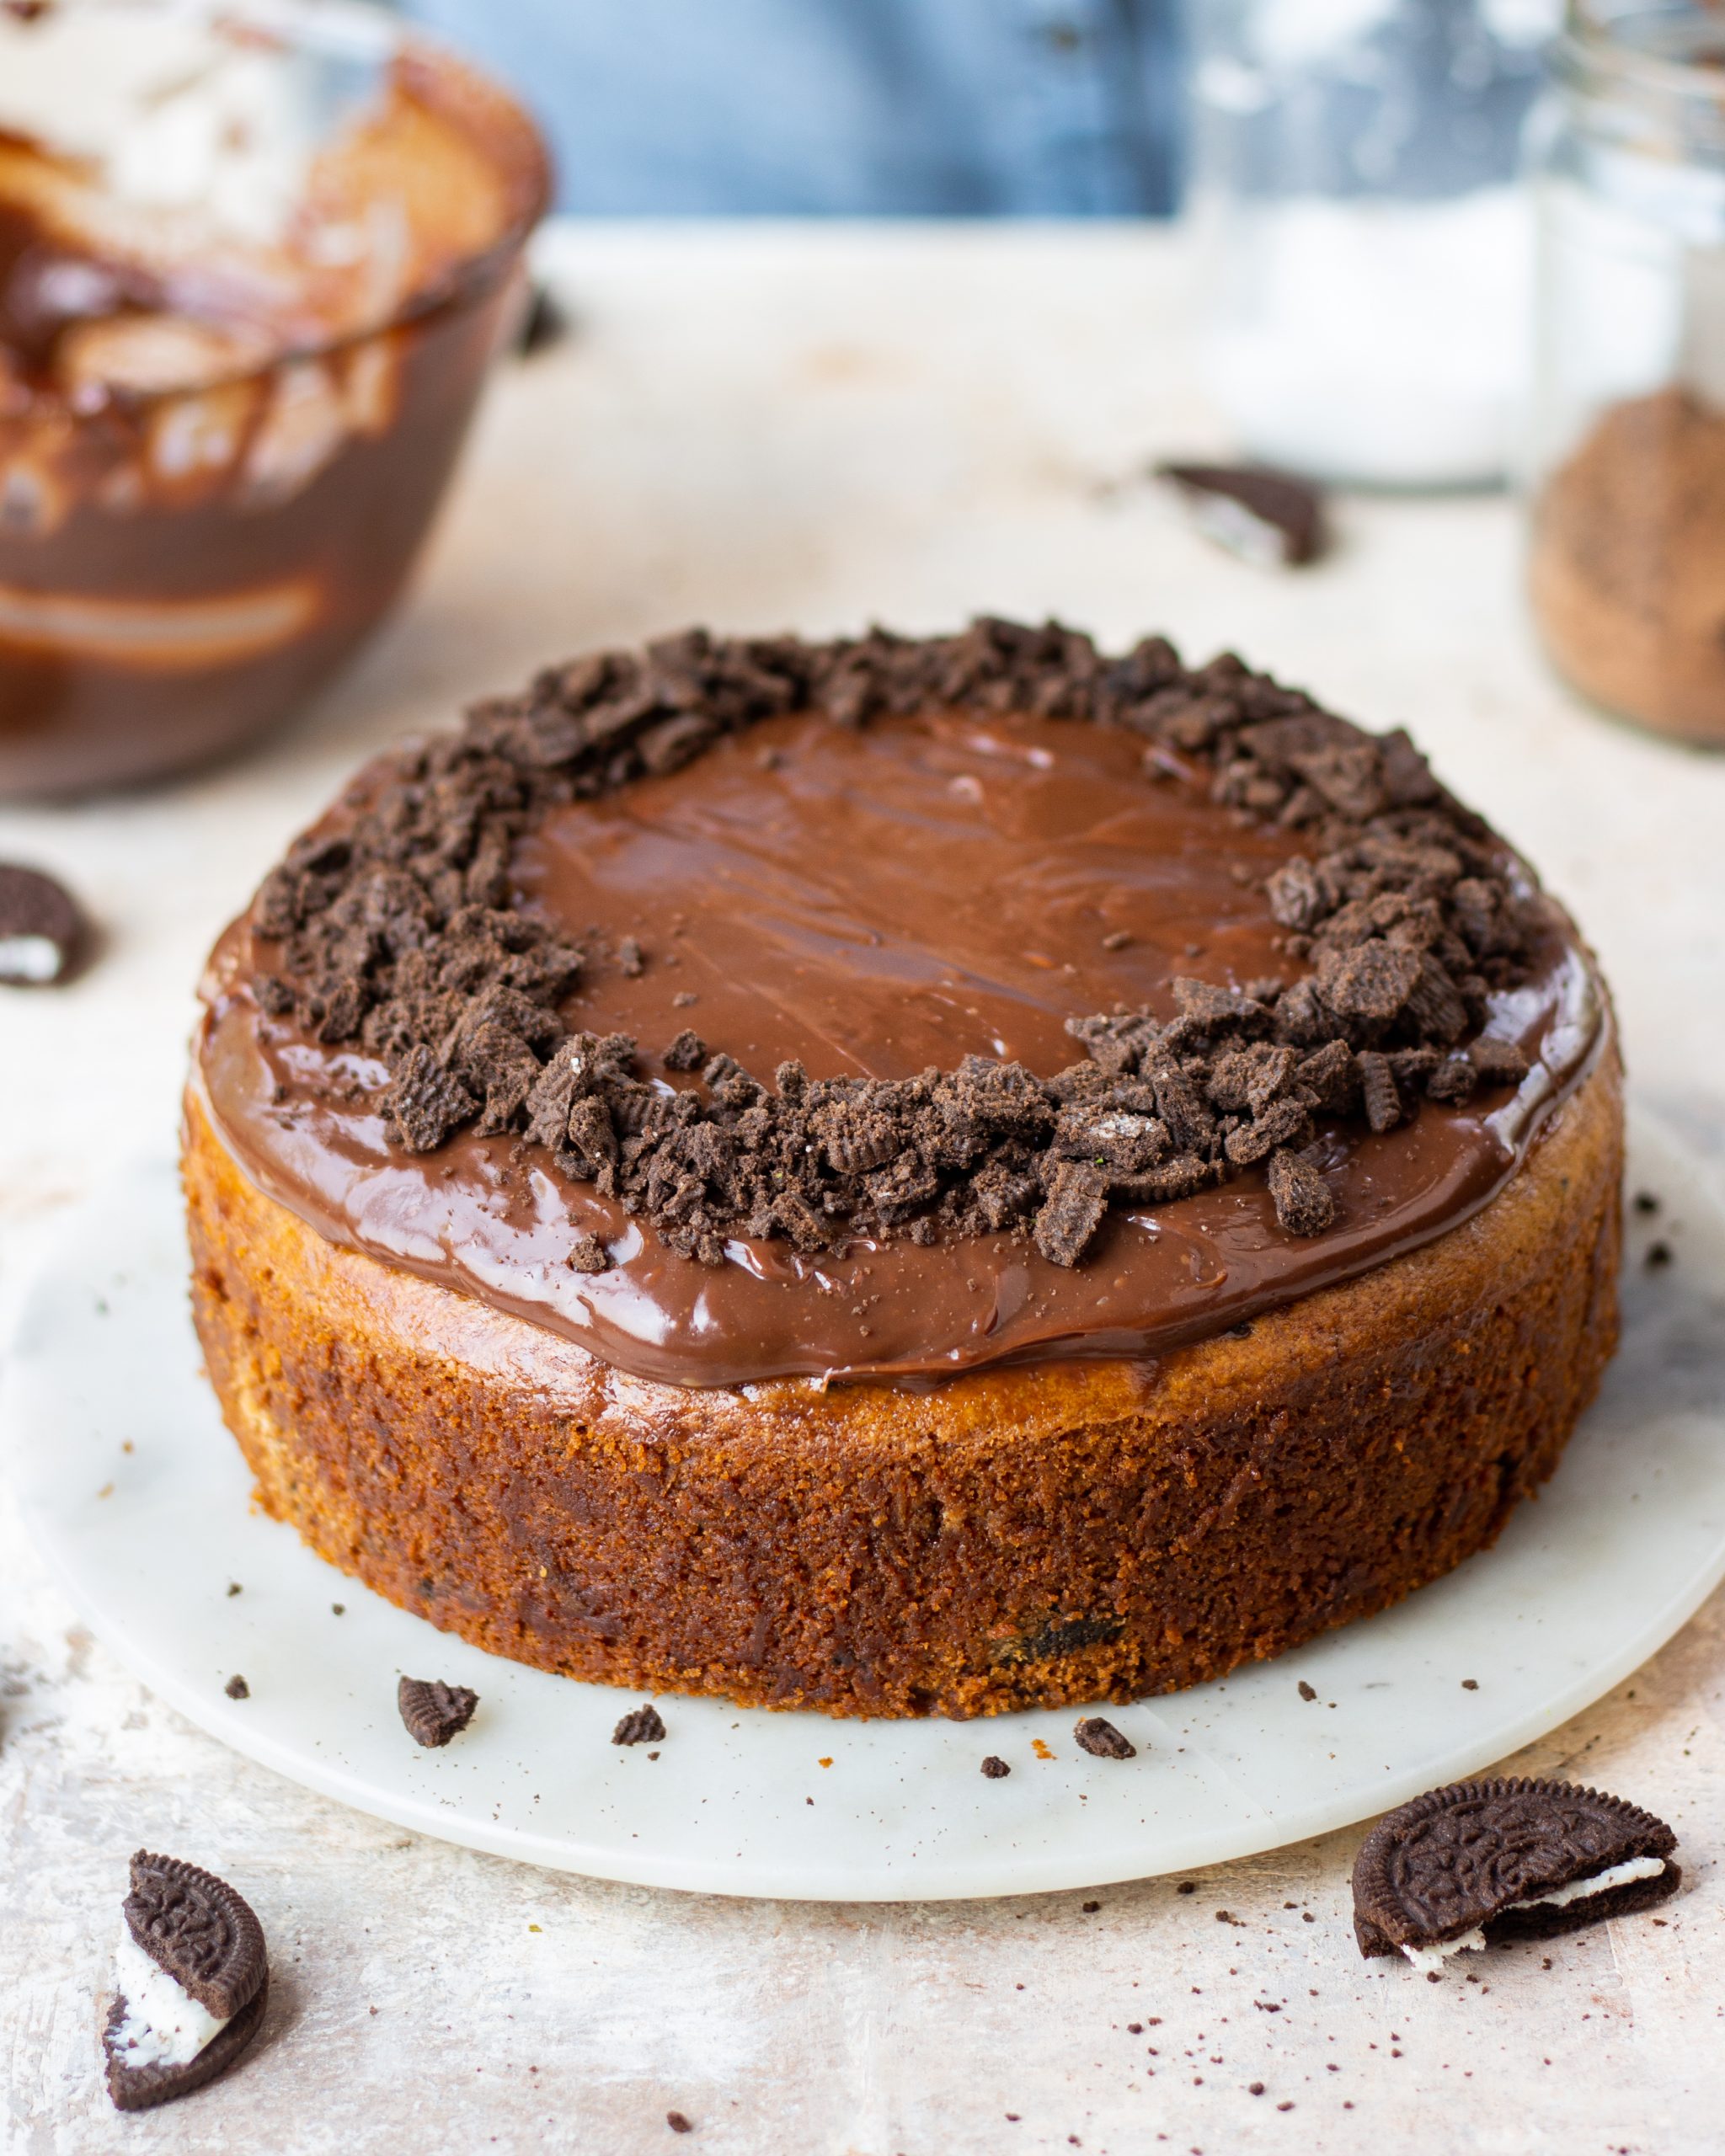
(1479, 1863)
(192, 1980)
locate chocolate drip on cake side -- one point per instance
(421, 947)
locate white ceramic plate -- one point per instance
(140, 1501)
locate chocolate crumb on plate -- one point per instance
(43, 936)
(1465, 1867)
(996, 1768)
(238, 1689)
(679, 2122)
(234, 1588)
(1307, 1692)
(1265, 516)
(1646, 1202)
(640, 1726)
(192, 1980)
(1659, 1255)
(431, 1712)
(1102, 1740)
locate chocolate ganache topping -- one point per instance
(1102, 1004)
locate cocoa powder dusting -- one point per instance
(1627, 569)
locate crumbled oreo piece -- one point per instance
(1102, 1740)
(173, 2036)
(1380, 1093)
(544, 322)
(679, 2122)
(588, 1254)
(1265, 516)
(1077, 1198)
(238, 1689)
(44, 935)
(1302, 1198)
(1499, 1063)
(431, 1712)
(1464, 1867)
(640, 1726)
(996, 1768)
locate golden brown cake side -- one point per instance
(1022, 1537)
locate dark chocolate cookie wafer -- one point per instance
(1484, 1861)
(196, 1927)
(208, 1946)
(141, 2088)
(1104, 1740)
(434, 1711)
(640, 1726)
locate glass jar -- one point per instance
(1366, 236)
(1627, 555)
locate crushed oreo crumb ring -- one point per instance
(401, 931)
(640, 1726)
(1465, 1867)
(431, 1712)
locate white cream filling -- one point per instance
(164, 2025)
(1619, 1875)
(35, 959)
(1430, 1960)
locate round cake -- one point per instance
(901, 1175)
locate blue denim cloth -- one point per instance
(1008, 108)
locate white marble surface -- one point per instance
(768, 429)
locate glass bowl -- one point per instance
(222, 438)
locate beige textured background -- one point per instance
(764, 429)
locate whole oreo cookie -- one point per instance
(1479, 1862)
(192, 1980)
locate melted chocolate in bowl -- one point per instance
(874, 902)
(220, 450)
